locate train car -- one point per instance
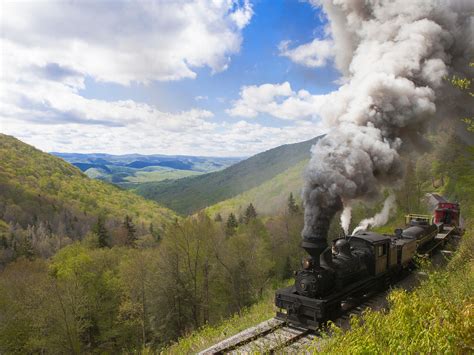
(420, 228)
(447, 213)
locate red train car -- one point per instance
(447, 213)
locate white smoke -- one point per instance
(346, 217)
(380, 218)
(395, 56)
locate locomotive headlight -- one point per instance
(307, 263)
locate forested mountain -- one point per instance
(190, 194)
(46, 203)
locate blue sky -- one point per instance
(224, 78)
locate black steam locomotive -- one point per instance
(353, 266)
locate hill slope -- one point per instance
(190, 194)
(38, 188)
(268, 198)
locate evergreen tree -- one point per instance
(292, 206)
(3, 242)
(231, 225)
(155, 233)
(250, 213)
(130, 230)
(287, 271)
(218, 217)
(101, 232)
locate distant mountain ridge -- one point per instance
(190, 194)
(130, 170)
(151, 160)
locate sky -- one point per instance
(213, 78)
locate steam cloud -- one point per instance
(346, 216)
(380, 218)
(394, 56)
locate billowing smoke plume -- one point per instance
(394, 56)
(380, 218)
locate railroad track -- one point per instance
(270, 337)
(276, 336)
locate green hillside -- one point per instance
(190, 194)
(41, 192)
(268, 198)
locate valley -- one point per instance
(130, 170)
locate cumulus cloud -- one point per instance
(128, 126)
(314, 54)
(277, 100)
(123, 42)
(50, 48)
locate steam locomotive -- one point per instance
(358, 264)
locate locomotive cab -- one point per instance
(378, 247)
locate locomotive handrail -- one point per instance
(423, 217)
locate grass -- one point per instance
(160, 175)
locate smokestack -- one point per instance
(318, 216)
(395, 56)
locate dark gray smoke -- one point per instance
(395, 56)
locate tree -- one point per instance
(155, 233)
(130, 230)
(101, 232)
(231, 224)
(287, 270)
(250, 213)
(292, 206)
(464, 84)
(218, 218)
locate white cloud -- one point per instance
(123, 42)
(277, 100)
(127, 126)
(313, 54)
(50, 48)
(53, 116)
